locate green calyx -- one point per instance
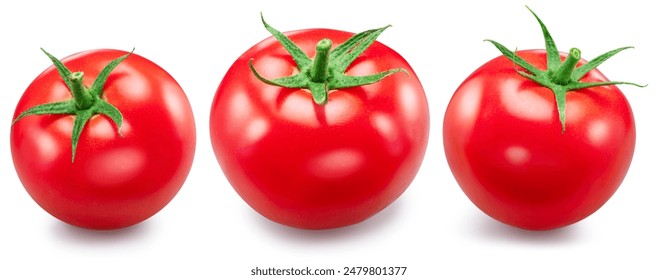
(86, 102)
(561, 76)
(327, 71)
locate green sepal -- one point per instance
(64, 107)
(350, 81)
(560, 76)
(297, 81)
(319, 92)
(337, 61)
(64, 72)
(82, 117)
(86, 102)
(302, 60)
(97, 87)
(580, 72)
(354, 47)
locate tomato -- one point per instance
(125, 168)
(505, 146)
(323, 164)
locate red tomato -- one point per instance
(115, 180)
(319, 166)
(504, 145)
(539, 139)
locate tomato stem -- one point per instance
(83, 99)
(86, 102)
(560, 77)
(563, 74)
(320, 69)
(327, 71)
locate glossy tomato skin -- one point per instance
(116, 180)
(503, 142)
(319, 166)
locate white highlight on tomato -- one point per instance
(526, 105)
(517, 155)
(468, 103)
(128, 164)
(598, 132)
(336, 164)
(256, 130)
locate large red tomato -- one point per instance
(114, 177)
(318, 165)
(513, 156)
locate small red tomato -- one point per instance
(106, 147)
(539, 149)
(334, 141)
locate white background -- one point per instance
(208, 232)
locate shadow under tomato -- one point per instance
(76, 235)
(485, 228)
(377, 223)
